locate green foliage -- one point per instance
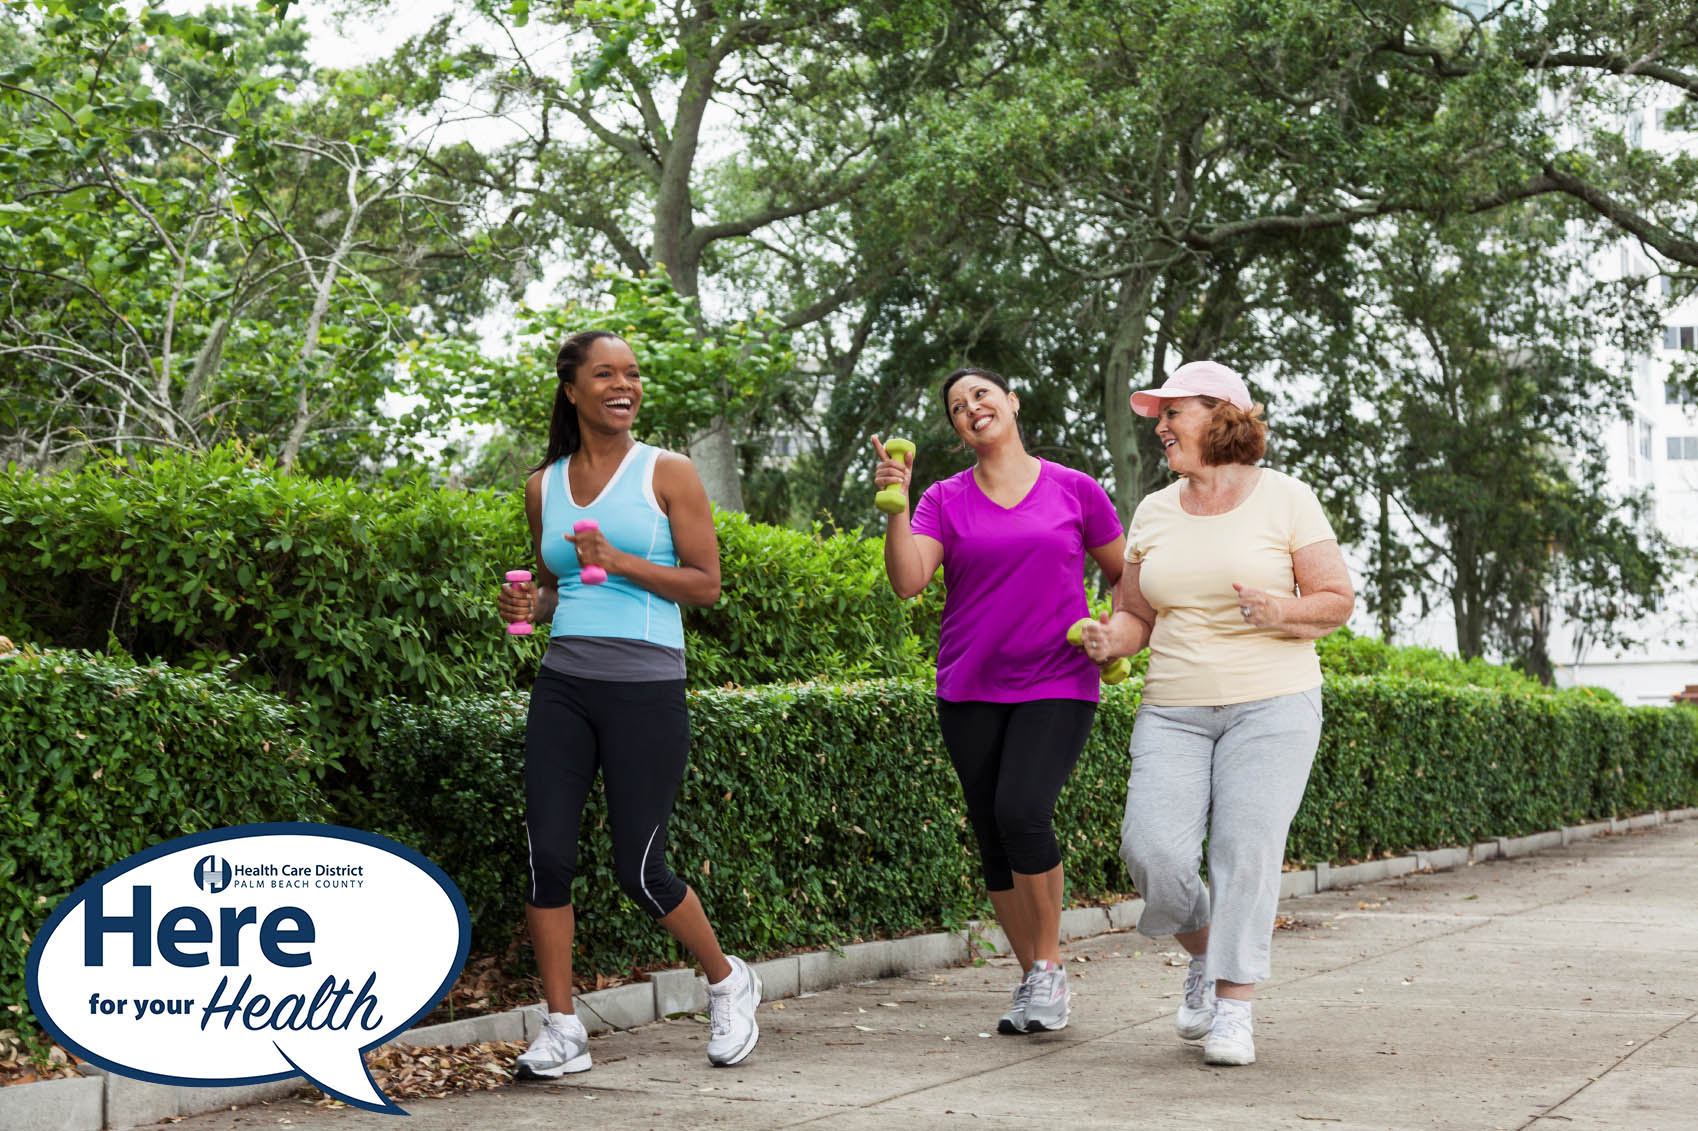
(1406, 764)
(100, 758)
(693, 370)
(205, 238)
(1464, 440)
(1345, 653)
(797, 605)
(810, 814)
(815, 814)
(337, 595)
(325, 592)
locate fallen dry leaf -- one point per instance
(434, 1071)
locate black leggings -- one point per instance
(1013, 759)
(638, 735)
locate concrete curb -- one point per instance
(107, 1101)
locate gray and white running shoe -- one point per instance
(1014, 1021)
(1047, 1007)
(731, 1013)
(561, 1047)
(1197, 1009)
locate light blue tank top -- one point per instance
(631, 519)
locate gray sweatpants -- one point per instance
(1237, 774)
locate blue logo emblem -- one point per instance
(212, 874)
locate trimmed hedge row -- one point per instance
(100, 759)
(1345, 653)
(816, 813)
(337, 594)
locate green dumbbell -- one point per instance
(1116, 671)
(892, 499)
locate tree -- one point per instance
(195, 251)
(687, 381)
(688, 135)
(1463, 442)
(1179, 163)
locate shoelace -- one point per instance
(555, 1040)
(719, 1013)
(1046, 984)
(1022, 995)
(1196, 989)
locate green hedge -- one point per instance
(1408, 764)
(817, 813)
(1345, 653)
(101, 759)
(338, 594)
(800, 606)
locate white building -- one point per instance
(1655, 450)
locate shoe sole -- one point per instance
(1226, 1061)
(570, 1067)
(1009, 1028)
(754, 1033)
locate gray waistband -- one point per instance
(613, 658)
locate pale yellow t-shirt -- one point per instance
(1202, 652)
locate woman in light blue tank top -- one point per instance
(610, 694)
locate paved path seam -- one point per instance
(1550, 1112)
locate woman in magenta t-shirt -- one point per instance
(1014, 700)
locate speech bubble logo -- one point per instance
(249, 954)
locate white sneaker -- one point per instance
(1197, 1010)
(1047, 1008)
(1014, 1021)
(731, 1010)
(561, 1047)
(1229, 1039)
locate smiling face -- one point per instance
(608, 388)
(981, 411)
(1181, 426)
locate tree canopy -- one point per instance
(805, 214)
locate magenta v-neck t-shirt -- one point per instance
(1015, 584)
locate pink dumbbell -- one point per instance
(519, 627)
(590, 574)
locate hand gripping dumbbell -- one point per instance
(519, 627)
(892, 499)
(590, 574)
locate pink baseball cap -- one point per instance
(1194, 379)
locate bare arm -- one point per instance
(910, 560)
(1325, 595)
(532, 600)
(1111, 559)
(695, 579)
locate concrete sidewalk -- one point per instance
(1553, 991)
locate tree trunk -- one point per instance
(315, 321)
(714, 453)
(1126, 358)
(1383, 551)
(1465, 598)
(1536, 658)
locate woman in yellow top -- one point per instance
(1231, 575)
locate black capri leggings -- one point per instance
(1013, 759)
(638, 735)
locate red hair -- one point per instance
(1234, 435)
